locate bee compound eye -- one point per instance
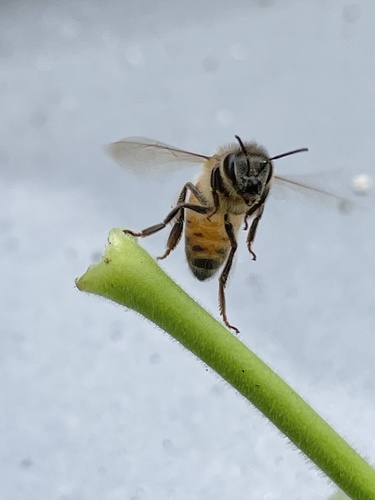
(229, 166)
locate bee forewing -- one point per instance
(140, 154)
(302, 187)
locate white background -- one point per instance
(98, 404)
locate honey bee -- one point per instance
(233, 186)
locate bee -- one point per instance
(233, 187)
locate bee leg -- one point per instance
(176, 231)
(174, 236)
(253, 229)
(177, 211)
(215, 186)
(215, 197)
(198, 195)
(224, 275)
(172, 214)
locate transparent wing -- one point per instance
(302, 187)
(141, 154)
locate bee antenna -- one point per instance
(241, 145)
(301, 150)
(244, 151)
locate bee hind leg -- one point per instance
(225, 273)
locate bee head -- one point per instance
(248, 172)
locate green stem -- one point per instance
(129, 276)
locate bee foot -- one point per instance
(252, 253)
(231, 327)
(132, 233)
(211, 214)
(165, 254)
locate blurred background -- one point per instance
(96, 403)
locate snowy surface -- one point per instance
(98, 404)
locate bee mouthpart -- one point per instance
(253, 188)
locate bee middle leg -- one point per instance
(178, 226)
(177, 212)
(225, 273)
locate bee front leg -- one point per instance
(253, 229)
(215, 186)
(246, 225)
(225, 273)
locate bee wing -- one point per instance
(140, 154)
(299, 185)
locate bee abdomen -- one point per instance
(204, 268)
(204, 262)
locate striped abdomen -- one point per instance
(206, 241)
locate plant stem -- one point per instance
(129, 276)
